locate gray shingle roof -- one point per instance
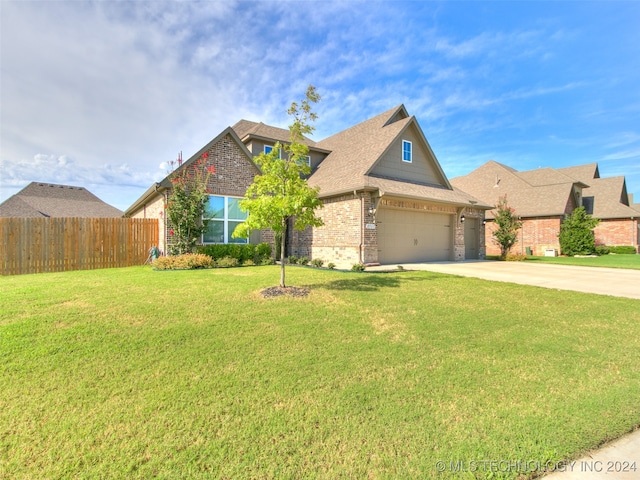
(247, 128)
(609, 195)
(398, 188)
(52, 200)
(546, 191)
(493, 180)
(353, 153)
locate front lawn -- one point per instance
(611, 261)
(132, 373)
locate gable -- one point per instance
(423, 167)
(234, 170)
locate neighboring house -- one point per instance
(544, 197)
(50, 200)
(386, 199)
(607, 200)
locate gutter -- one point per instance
(144, 199)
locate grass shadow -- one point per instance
(373, 282)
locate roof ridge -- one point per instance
(365, 124)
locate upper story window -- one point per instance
(224, 216)
(269, 148)
(406, 151)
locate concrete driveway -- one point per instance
(604, 281)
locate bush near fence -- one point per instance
(36, 245)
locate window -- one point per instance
(406, 151)
(224, 216)
(269, 148)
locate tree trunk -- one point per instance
(282, 251)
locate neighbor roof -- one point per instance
(53, 200)
(605, 197)
(527, 194)
(547, 191)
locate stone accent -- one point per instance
(340, 239)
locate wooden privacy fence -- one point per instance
(34, 245)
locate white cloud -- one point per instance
(105, 92)
(623, 155)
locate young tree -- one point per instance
(506, 235)
(281, 192)
(576, 233)
(186, 205)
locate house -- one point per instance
(51, 200)
(545, 196)
(385, 196)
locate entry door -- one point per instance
(471, 238)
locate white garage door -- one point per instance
(410, 236)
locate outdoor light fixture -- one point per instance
(462, 218)
(484, 222)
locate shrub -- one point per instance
(293, 259)
(576, 233)
(183, 262)
(248, 263)
(227, 262)
(623, 249)
(263, 250)
(331, 265)
(239, 251)
(303, 260)
(358, 267)
(516, 257)
(266, 261)
(317, 262)
(602, 250)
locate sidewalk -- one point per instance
(619, 460)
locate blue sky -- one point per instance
(103, 94)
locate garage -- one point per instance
(409, 236)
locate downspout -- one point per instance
(361, 246)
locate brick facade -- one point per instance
(155, 209)
(345, 239)
(539, 234)
(234, 172)
(614, 232)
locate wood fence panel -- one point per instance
(35, 245)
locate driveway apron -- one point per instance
(603, 281)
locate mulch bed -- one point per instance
(272, 292)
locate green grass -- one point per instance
(610, 261)
(131, 373)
